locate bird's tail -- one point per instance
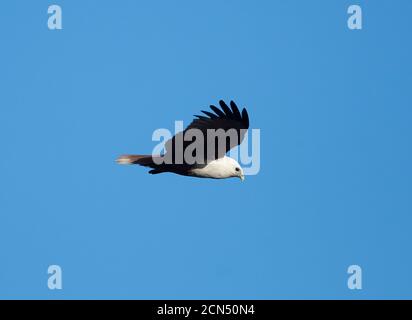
(154, 162)
(143, 160)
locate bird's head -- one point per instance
(237, 171)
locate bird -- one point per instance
(228, 126)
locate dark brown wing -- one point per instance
(222, 130)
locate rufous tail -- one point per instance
(143, 160)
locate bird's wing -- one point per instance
(230, 125)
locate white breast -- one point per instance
(218, 169)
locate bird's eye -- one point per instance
(237, 169)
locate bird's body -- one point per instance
(230, 125)
(221, 168)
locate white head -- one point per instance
(235, 168)
(220, 169)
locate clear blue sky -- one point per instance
(333, 106)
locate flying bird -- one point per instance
(228, 126)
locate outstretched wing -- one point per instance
(222, 130)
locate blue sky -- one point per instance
(333, 106)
